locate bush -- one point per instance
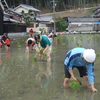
(61, 25)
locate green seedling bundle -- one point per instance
(41, 51)
(35, 58)
(75, 85)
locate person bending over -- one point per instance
(82, 59)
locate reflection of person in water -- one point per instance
(7, 54)
(0, 58)
(90, 96)
(42, 74)
(81, 95)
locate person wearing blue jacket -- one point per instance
(83, 59)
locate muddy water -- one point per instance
(21, 78)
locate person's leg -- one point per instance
(48, 57)
(83, 73)
(66, 82)
(48, 52)
(87, 82)
(67, 77)
(6, 47)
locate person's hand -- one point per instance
(4, 42)
(74, 78)
(94, 90)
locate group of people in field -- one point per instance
(40, 42)
(80, 58)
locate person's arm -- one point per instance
(27, 48)
(91, 76)
(70, 69)
(37, 49)
(3, 41)
(72, 75)
(45, 49)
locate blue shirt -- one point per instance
(74, 58)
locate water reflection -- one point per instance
(44, 75)
(21, 78)
(82, 95)
(8, 54)
(0, 58)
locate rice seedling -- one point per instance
(40, 51)
(54, 49)
(19, 46)
(63, 43)
(80, 45)
(75, 85)
(98, 54)
(45, 54)
(77, 44)
(35, 58)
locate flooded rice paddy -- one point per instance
(22, 78)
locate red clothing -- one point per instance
(31, 31)
(0, 43)
(7, 41)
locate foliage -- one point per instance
(35, 58)
(75, 85)
(28, 18)
(91, 10)
(48, 4)
(61, 25)
(98, 54)
(41, 51)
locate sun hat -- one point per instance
(89, 55)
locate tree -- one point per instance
(28, 18)
(61, 25)
(47, 4)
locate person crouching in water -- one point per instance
(30, 44)
(46, 45)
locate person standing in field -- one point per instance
(7, 43)
(31, 31)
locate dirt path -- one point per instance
(71, 13)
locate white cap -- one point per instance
(89, 55)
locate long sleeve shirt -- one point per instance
(74, 58)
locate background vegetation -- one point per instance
(47, 4)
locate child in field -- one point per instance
(7, 43)
(30, 44)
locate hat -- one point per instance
(89, 55)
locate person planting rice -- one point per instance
(83, 59)
(46, 45)
(30, 44)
